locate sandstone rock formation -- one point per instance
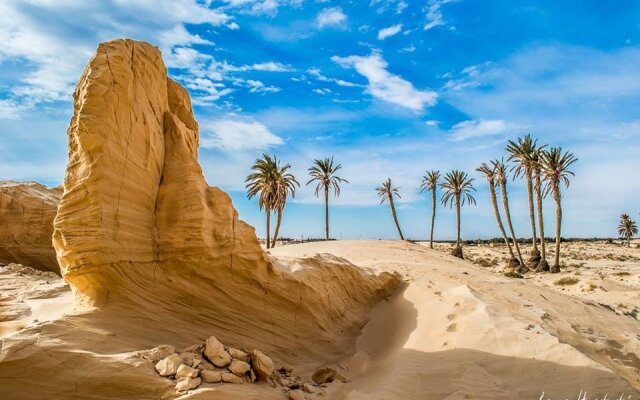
(27, 210)
(139, 229)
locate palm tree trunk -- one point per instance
(542, 265)
(507, 213)
(629, 242)
(532, 212)
(277, 230)
(494, 203)
(458, 219)
(395, 217)
(556, 196)
(268, 212)
(326, 212)
(433, 215)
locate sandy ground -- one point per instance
(455, 330)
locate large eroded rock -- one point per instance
(140, 229)
(27, 210)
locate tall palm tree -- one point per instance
(501, 177)
(490, 173)
(522, 154)
(543, 265)
(285, 185)
(430, 183)
(324, 172)
(555, 170)
(457, 187)
(627, 228)
(262, 182)
(387, 192)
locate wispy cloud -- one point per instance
(474, 129)
(387, 86)
(332, 16)
(389, 31)
(435, 17)
(235, 135)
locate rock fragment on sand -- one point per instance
(230, 377)
(184, 384)
(185, 371)
(191, 359)
(157, 353)
(238, 354)
(239, 368)
(210, 376)
(262, 365)
(297, 394)
(327, 375)
(169, 365)
(215, 352)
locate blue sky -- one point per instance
(389, 88)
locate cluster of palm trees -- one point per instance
(273, 183)
(544, 169)
(627, 228)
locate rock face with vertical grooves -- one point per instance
(138, 228)
(27, 210)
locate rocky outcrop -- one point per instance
(139, 229)
(27, 210)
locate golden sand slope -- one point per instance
(27, 210)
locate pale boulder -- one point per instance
(184, 384)
(157, 353)
(262, 365)
(297, 394)
(230, 377)
(210, 376)
(238, 354)
(185, 371)
(191, 359)
(215, 352)
(169, 365)
(239, 367)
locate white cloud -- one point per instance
(233, 134)
(473, 129)
(387, 86)
(434, 13)
(432, 122)
(409, 49)
(332, 16)
(316, 73)
(388, 32)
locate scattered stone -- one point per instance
(252, 376)
(215, 352)
(185, 371)
(239, 367)
(210, 376)
(184, 384)
(230, 377)
(169, 365)
(310, 388)
(191, 359)
(238, 354)
(205, 365)
(326, 375)
(156, 354)
(262, 365)
(297, 394)
(196, 348)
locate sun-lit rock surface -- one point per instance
(27, 210)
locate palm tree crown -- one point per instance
(457, 184)
(429, 181)
(323, 171)
(262, 181)
(627, 227)
(387, 191)
(555, 168)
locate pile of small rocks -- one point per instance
(211, 362)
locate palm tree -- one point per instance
(285, 184)
(457, 187)
(386, 192)
(490, 173)
(501, 177)
(627, 228)
(543, 265)
(430, 183)
(522, 154)
(323, 172)
(262, 182)
(555, 170)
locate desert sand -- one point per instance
(151, 255)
